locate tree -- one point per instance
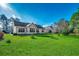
(74, 22)
(63, 26)
(75, 30)
(4, 20)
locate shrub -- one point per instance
(8, 41)
(52, 37)
(60, 34)
(15, 34)
(1, 35)
(33, 37)
(67, 33)
(71, 30)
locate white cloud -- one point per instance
(45, 25)
(13, 16)
(6, 9)
(9, 12)
(4, 5)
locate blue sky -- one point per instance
(41, 13)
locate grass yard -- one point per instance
(40, 45)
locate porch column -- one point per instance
(25, 30)
(28, 30)
(35, 30)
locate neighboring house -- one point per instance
(49, 29)
(55, 27)
(63, 25)
(26, 28)
(52, 29)
(58, 27)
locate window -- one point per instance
(37, 30)
(42, 30)
(32, 30)
(21, 30)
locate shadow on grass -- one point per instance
(8, 41)
(33, 37)
(48, 36)
(52, 37)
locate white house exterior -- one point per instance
(26, 28)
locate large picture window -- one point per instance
(37, 30)
(32, 29)
(21, 30)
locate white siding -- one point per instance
(16, 29)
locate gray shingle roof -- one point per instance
(17, 23)
(38, 26)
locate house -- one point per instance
(52, 29)
(13, 25)
(10, 24)
(55, 27)
(63, 26)
(59, 27)
(26, 28)
(48, 29)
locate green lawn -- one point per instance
(40, 45)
